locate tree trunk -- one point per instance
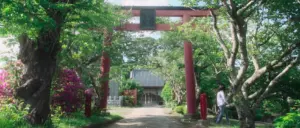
(39, 68)
(245, 113)
(39, 59)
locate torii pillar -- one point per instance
(189, 74)
(105, 68)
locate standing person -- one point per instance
(221, 102)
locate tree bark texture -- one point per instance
(39, 59)
(245, 113)
(39, 68)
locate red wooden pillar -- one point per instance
(105, 67)
(189, 74)
(203, 106)
(88, 100)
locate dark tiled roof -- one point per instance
(146, 78)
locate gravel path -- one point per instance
(147, 117)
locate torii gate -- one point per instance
(147, 23)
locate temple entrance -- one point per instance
(148, 23)
(150, 99)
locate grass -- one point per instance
(233, 123)
(10, 117)
(79, 120)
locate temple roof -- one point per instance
(146, 78)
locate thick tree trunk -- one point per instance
(39, 59)
(39, 67)
(245, 114)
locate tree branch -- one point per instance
(274, 81)
(219, 37)
(241, 11)
(235, 46)
(227, 7)
(244, 56)
(285, 53)
(255, 62)
(275, 64)
(244, 88)
(255, 94)
(233, 6)
(267, 40)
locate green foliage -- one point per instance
(295, 106)
(167, 94)
(259, 114)
(34, 16)
(185, 110)
(289, 84)
(128, 101)
(30, 17)
(273, 106)
(130, 85)
(272, 28)
(138, 50)
(56, 114)
(207, 59)
(11, 117)
(78, 119)
(290, 120)
(83, 37)
(82, 28)
(180, 109)
(169, 64)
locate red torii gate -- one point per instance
(148, 13)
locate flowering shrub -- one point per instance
(14, 70)
(69, 93)
(5, 89)
(9, 77)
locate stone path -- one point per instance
(147, 117)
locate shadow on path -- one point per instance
(148, 122)
(148, 117)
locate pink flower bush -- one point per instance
(5, 89)
(69, 93)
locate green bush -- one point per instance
(128, 101)
(11, 117)
(185, 109)
(259, 114)
(290, 120)
(181, 109)
(166, 93)
(170, 105)
(130, 85)
(274, 106)
(295, 106)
